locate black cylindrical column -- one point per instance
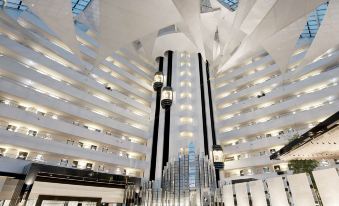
(214, 139)
(157, 88)
(203, 105)
(167, 111)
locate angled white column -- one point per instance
(90, 16)
(301, 191)
(190, 12)
(257, 193)
(255, 12)
(241, 194)
(58, 16)
(282, 44)
(209, 25)
(327, 36)
(328, 185)
(148, 43)
(277, 192)
(236, 35)
(278, 17)
(128, 20)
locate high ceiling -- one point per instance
(311, 28)
(227, 31)
(313, 22)
(77, 5)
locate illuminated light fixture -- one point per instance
(227, 129)
(186, 120)
(186, 107)
(158, 80)
(185, 83)
(166, 97)
(218, 157)
(186, 134)
(186, 94)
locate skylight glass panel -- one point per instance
(314, 21)
(77, 5)
(230, 4)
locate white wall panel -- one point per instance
(328, 185)
(241, 192)
(107, 194)
(301, 191)
(277, 192)
(257, 193)
(227, 193)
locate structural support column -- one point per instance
(203, 105)
(156, 124)
(167, 111)
(214, 139)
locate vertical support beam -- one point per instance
(156, 126)
(203, 105)
(167, 112)
(210, 103)
(214, 138)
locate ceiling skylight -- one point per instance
(314, 21)
(230, 4)
(77, 5)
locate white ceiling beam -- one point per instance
(327, 36)
(58, 16)
(281, 45)
(123, 21)
(282, 14)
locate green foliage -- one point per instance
(301, 166)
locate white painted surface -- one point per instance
(228, 195)
(241, 194)
(257, 193)
(301, 191)
(107, 194)
(328, 185)
(277, 192)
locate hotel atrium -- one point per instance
(169, 102)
